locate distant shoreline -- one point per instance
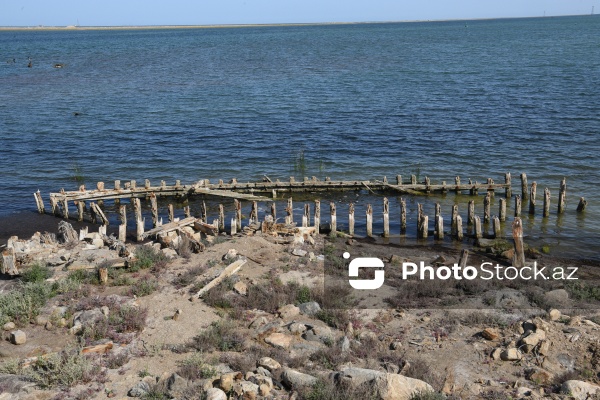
(141, 27)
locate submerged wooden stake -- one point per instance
(80, 210)
(233, 226)
(470, 216)
(306, 215)
(171, 213)
(464, 257)
(487, 200)
(582, 204)
(438, 209)
(517, 232)
(546, 212)
(39, 202)
(333, 217)
(562, 196)
(402, 216)
(497, 228)
(453, 225)
(459, 228)
(508, 189)
(351, 219)
(478, 233)
(254, 212)
(187, 212)
(502, 210)
(99, 213)
(369, 215)
(65, 208)
(154, 209)
(524, 188)
(274, 211)
(532, 196)
(386, 217)
(517, 206)
(424, 227)
(439, 227)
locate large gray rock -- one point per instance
(176, 385)
(18, 337)
(580, 390)
(141, 389)
(385, 385)
(294, 379)
(311, 308)
(269, 364)
(215, 394)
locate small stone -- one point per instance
(169, 253)
(288, 311)
(105, 310)
(511, 355)
(241, 288)
(258, 322)
(41, 320)
(263, 371)
(490, 334)
(541, 377)
(264, 390)
(49, 326)
(531, 340)
(425, 319)
(62, 323)
(299, 252)
(230, 255)
(280, 340)
(396, 345)
(580, 390)
(345, 344)
(544, 348)
(312, 257)
(9, 326)
(554, 315)
(215, 394)
(18, 337)
(496, 354)
(295, 379)
(297, 328)
(269, 364)
(141, 389)
(311, 308)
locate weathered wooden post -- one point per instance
(413, 179)
(546, 212)
(138, 219)
(233, 226)
(254, 212)
(238, 214)
(290, 212)
(502, 210)
(274, 211)
(204, 212)
(459, 228)
(187, 212)
(333, 217)
(39, 202)
(419, 217)
(508, 189)
(532, 196)
(487, 200)
(497, 227)
(132, 184)
(154, 209)
(97, 212)
(517, 232)
(386, 217)
(439, 227)
(171, 213)
(317, 216)
(464, 257)
(369, 220)
(457, 184)
(147, 184)
(306, 218)
(123, 225)
(517, 206)
(424, 227)
(402, 215)
(398, 180)
(9, 261)
(427, 185)
(100, 188)
(562, 196)
(470, 217)
(221, 218)
(524, 188)
(582, 204)
(478, 233)
(80, 210)
(351, 219)
(65, 207)
(453, 226)
(438, 210)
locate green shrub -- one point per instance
(36, 273)
(146, 257)
(221, 335)
(23, 304)
(194, 368)
(144, 287)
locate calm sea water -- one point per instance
(439, 99)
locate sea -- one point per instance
(474, 99)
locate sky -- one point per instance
(214, 12)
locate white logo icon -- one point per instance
(365, 262)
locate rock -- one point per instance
(311, 308)
(66, 233)
(496, 354)
(349, 331)
(169, 253)
(263, 371)
(9, 326)
(88, 317)
(226, 381)
(490, 334)
(345, 345)
(554, 315)
(98, 243)
(269, 364)
(297, 328)
(528, 342)
(269, 328)
(580, 390)
(18, 337)
(294, 379)
(396, 259)
(258, 322)
(105, 310)
(544, 348)
(141, 389)
(62, 323)
(540, 377)
(396, 345)
(176, 385)
(575, 321)
(215, 394)
(230, 255)
(59, 311)
(299, 252)
(312, 257)
(280, 340)
(524, 392)
(288, 311)
(387, 386)
(262, 380)
(512, 354)
(248, 390)
(241, 288)
(41, 320)
(264, 390)
(49, 326)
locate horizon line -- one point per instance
(188, 26)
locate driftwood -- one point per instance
(66, 233)
(171, 226)
(227, 272)
(9, 262)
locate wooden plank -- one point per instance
(227, 272)
(205, 228)
(171, 226)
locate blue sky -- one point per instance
(202, 12)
